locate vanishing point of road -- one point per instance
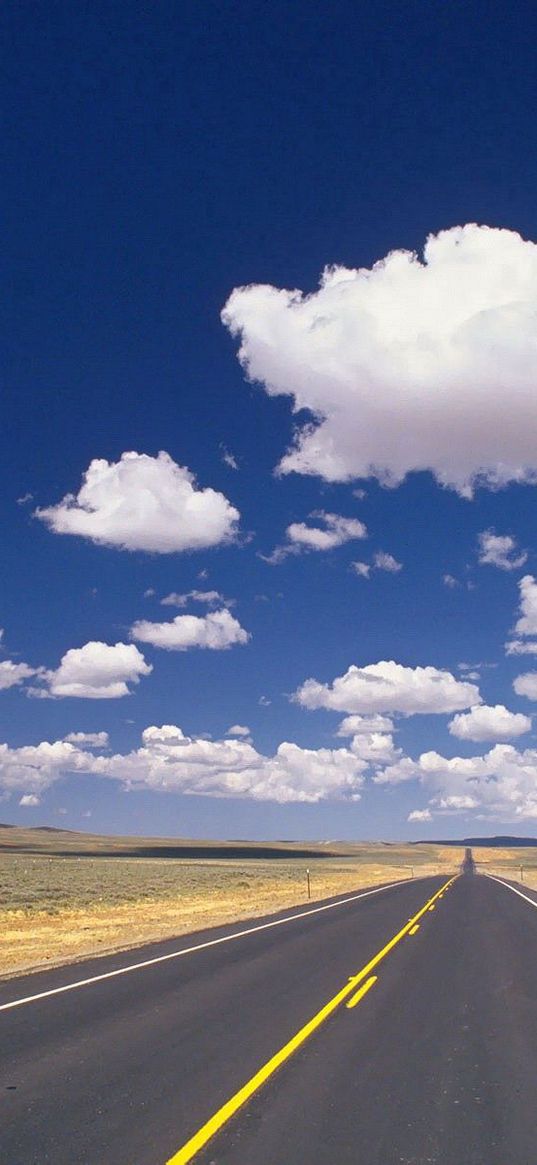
(385, 1027)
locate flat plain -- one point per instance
(65, 895)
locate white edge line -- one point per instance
(508, 886)
(199, 947)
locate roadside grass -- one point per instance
(57, 909)
(517, 864)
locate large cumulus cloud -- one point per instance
(168, 761)
(144, 503)
(415, 364)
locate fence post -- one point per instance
(309, 885)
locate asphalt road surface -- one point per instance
(377, 1032)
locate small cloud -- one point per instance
(453, 583)
(203, 574)
(387, 562)
(238, 730)
(362, 569)
(29, 801)
(301, 538)
(88, 739)
(264, 702)
(14, 674)
(96, 671)
(87, 813)
(149, 593)
(209, 597)
(489, 722)
(360, 494)
(420, 815)
(500, 550)
(25, 499)
(381, 561)
(217, 631)
(228, 458)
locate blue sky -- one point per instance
(154, 162)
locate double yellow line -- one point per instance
(228, 1110)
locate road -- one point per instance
(436, 1061)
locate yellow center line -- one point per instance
(362, 991)
(228, 1110)
(414, 928)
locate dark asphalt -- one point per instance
(437, 1064)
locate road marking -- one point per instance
(362, 991)
(431, 907)
(199, 947)
(414, 928)
(508, 886)
(194, 1145)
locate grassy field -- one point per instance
(65, 895)
(517, 865)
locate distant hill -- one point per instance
(502, 842)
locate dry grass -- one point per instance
(57, 909)
(517, 864)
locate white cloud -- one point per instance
(500, 550)
(29, 801)
(14, 674)
(88, 739)
(375, 748)
(526, 685)
(335, 531)
(96, 671)
(451, 582)
(390, 687)
(442, 350)
(238, 730)
(362, 569)
(217, 630)
(381, 561)
(229, 459)
(489, 723)
(404, 769)
(264, 702)
(387, 562)
(420, 815)
(144, 503)
(527, 624)
(355, 725)
(169, 761)
(501, 785)
(181, 600)
(33, 768)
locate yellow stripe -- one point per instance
(362, 991)
(414, 928)
(228, 1110)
